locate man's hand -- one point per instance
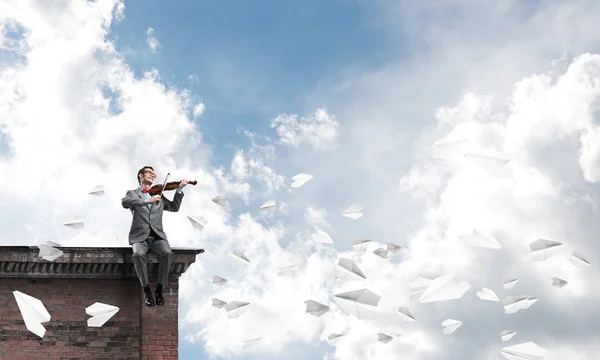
(155, 198)
(182, 183)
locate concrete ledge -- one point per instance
(86, 262)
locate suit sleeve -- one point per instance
(174, 205)
(130, 200)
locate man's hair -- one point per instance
(142, 171)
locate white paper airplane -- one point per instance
(510, 284)
(355, 301)
(347, 268)
(355, 211)
(198, 222)
(492, 165)
(218, 303)
(34, 313)
(525, 351)
(384, 338)
(418, 287)
(268, 206)
(220, 200)
(239, 254)
(47, 252)
(98, 190)
(506, 335)
(487, 295)
(251, 342)
(450, 326)
(443, 149)
(578, 259)
(53, 244)
(236, 308)
(300, 180)
(100, 313)
(406, 314)
(543, 249)
(75, 224)
(287, 270)
(391, 247)
(513, 304)
(558, 282)
(322, 237)
(217, 280)
(333, 339)
(316, 308)
(381, 252)
(361, 244)
(478, 239)
(444, 288)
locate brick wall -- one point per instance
(136, 331)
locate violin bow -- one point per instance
(165, 184)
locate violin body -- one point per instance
(157, 189)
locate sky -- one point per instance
(241, 97)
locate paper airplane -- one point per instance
(354, 212)
(406, 314)
(358, 298)
(578, 259)
(391, 247)
(347, 268)
(558, 282)
(487, 295)
(417, 287)
(217, 280)
(443, 149)
(510, 284)
(478, 239)
(100, 313)
(525, 351)
(75, 224)
(444, 288)
(198, 222)
(251, 342)
(236, 308)
(322, 237)
(220, 200)
(218, 303)
(360, 244)
(492, 165)
(300, 180)
(333, 339)
(34, 313)
(513, 304)
(240, 255)
(268, 206)
(384, 338)
(287, 270)
(543, 249)
(450, 326)
(381, 252)
(98, 190)
(506, 335)
(47, 252)
(53, 244)
(316, 308)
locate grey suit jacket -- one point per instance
(145, 219)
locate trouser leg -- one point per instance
(140, 261)
(165, 257)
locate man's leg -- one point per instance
(165, 257)
(140, 261)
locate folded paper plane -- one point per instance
(74, 224)
(98, 190)
(543, 249)
(322, 237)
(391, 247)
(487, 295)
(578, 259)
(287, 270)
(100, 313)
(450, 326)
(558, 282)
(513, 304)
(525, 351)
(34, 313)
(384, 338)
(268, 206)
(418, 287)
(316, 308)
(492, 165)
(356, 301)
(361, 244)
(217, 280)
(381, 252)
(300, 180)
(48, 252)
(220, 200)
(239, 254)
(443, 149)
(478, 239)
(506, 335)
(355, 211)
(236, 308)
(348, 270)
(198, 222)
(406, 314)
(510, 284)
(334, 338)
(444, 288)
(218, 303)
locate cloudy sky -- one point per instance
(241, 97)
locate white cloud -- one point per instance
(152, 41)
(199, 109)
(319, 129)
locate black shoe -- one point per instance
(160, 301)
(149, 300)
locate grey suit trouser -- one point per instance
(140, 259)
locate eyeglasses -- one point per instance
(150, 172)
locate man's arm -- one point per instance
(174, 205)
(130, 201)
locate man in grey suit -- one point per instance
(147, 230)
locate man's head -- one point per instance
(146, 174)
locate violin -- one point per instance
(159, 188)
